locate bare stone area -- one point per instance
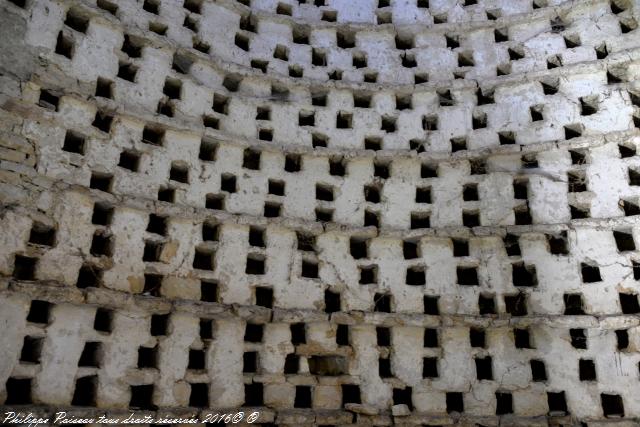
(334, 212)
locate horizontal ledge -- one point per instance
(224, 65)
(108, 298)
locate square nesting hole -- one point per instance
(74, 142)
(42, 234)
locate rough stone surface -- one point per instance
(371, 212)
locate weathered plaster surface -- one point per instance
(192, 201)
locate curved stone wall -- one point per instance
(398, 212)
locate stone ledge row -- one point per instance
(216, 61)
(23, 107)
(245, 39)
(563, 5)
(107, 298)
(31, 112)
(17, 196)
(194, 121)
